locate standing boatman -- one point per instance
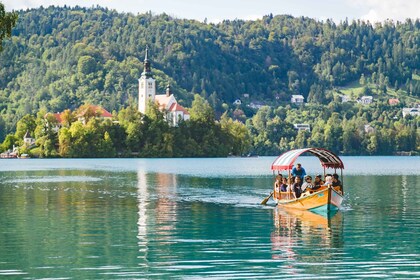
(299, 171)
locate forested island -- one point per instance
(236, 78)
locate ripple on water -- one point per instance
(54, 179)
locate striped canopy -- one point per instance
(327, 158)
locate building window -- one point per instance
(150, 85)
(142, 85)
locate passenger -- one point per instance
(307, 185)
(283, 186)
(318, 182)
(277, 183)
(299, 171)
(336, 182)
(297, 187)
(328, 180)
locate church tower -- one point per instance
(147, 85)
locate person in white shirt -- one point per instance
(307, 185)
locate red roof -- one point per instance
(393, 101)
(175, 107)
(327, 159)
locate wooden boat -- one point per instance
(325, 198)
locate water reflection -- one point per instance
(295, 229)
(142, 202)
(157, 213)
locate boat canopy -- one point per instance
(327, 158)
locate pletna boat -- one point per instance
(325, 198)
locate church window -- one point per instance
(150, 85)
(142, 85)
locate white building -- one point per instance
(28, 140)
(297, 99)
(367, 99)
(166, 102)
(344, 98)
(302, 126)
(411, 112)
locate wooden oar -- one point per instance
(264, 202)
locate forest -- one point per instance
(60, 58)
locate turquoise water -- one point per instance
(201, 218)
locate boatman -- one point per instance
(299, 171)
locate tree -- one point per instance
(201, 111)
(7, 22)
(24, 125)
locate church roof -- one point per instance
(175, 107)
(163, 100)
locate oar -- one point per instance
(264, 202)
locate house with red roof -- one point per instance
(82, 114)
(174, 112)
(393, 101)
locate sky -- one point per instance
(218, 10)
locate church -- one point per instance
(174, 113)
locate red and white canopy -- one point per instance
(327, 158)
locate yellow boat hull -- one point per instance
(325, 199)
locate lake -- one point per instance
(202, 218)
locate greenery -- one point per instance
(7, 21)
(62, 58)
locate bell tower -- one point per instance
(147, 85)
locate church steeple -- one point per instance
(147, 85)
(147, 70)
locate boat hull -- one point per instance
(327, 199)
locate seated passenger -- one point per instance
(328, 180)
(277, 183)
(336, 182)
(296, 187)
(318, 182)
(307, 185)
(283, 186)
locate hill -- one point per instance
(60, 58)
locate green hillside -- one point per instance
(59, 58)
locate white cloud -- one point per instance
(380, 10)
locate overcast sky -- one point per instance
(217, 10)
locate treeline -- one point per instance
(130, 134)
(60, 58)
(340, 127)
(361, 130)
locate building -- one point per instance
(297, 99)
(393, 101)
(344, 98)
(367, 99)
(411, 111)
(28, 141)
(166, 102)
(302, 126)
(81, 114)
(86, 111)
